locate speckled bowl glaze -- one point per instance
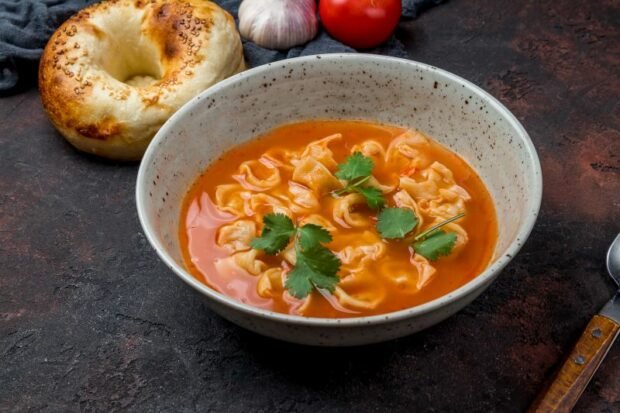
(452, 110)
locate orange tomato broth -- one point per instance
(200, 220)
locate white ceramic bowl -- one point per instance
(450, 109)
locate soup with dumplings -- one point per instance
(338, 219)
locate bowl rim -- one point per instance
(532, 206)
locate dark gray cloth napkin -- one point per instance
(26, 25)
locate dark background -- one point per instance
(90, 320)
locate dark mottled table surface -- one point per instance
(90, 320)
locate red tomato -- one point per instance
(360, 23)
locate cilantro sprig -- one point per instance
(434, 243)
(276, 234)
(355, 166)
(357, 170)
(316, 266)
(438, 244)
(395, 223)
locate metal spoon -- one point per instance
(598, 337)
(613, 260)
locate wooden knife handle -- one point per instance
(571, 380)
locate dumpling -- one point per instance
(236, 236)
(315, 175)
(437, 195)
(278, 157)
(344, 214)
(441, 174)
(270, 283)
(386, 189)
(257, 175)
(301, 307)
(402, 199)
(411, 280)
(319, 220)
(404, 152)
(429, 187)
(248, 261)
(449, 204)
(360, 291)
(425, 270)
(407, 140)
(426, 189)
(372, 251)
(404, 277)
(456, 192)
(355, 258)
(303, 199)
(320, 151)
(371, 149)
(436, 177)
(362, 248)
(289, 254)
(263, 204)
(442, 208)
(231, 198)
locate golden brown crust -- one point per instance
(188, 46)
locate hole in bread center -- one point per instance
(127, 54)
(138, 67)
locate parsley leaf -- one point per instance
(396, 222)
(374, 196)
(438, 244)
(276, 234)
(298, 281)
(356, 170)
(311, 235)
(355, 166)
(315, 267)
(321, 259)
(433, 243)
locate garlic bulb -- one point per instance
(278, 24)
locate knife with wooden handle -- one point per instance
(571, 380)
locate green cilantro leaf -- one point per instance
(357, 169)
(311, 235)
(315, 267)
(438, 244)
(321, 260)
(298, 281)
(396, 222)
(355, 166)
(276, 234)
(374, 196)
